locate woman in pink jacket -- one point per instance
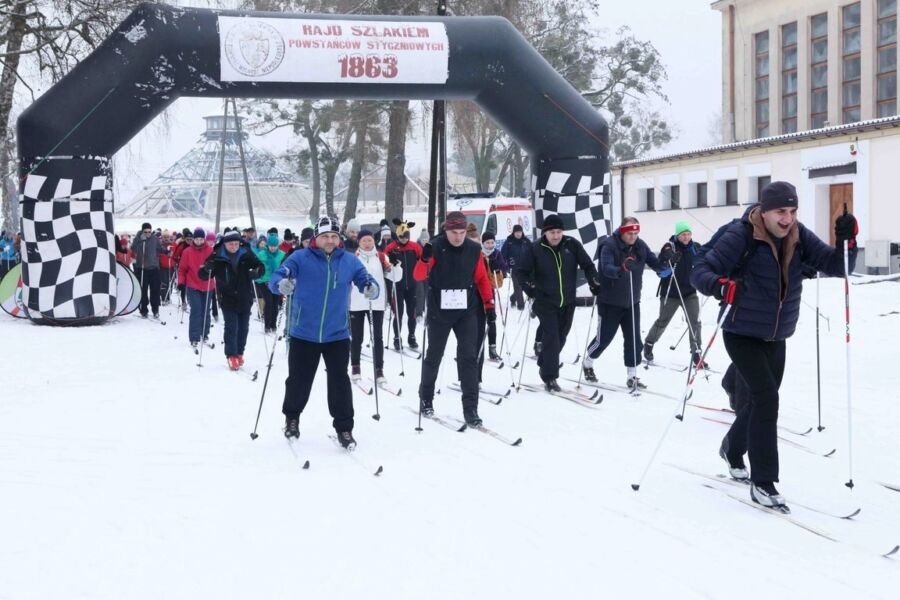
(199, 291)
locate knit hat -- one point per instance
(681, 227)
(199, 233)
(552, 222)
(487, 235)
(272, 239)
(778, 194)
(424, 237)
(364, 233)
(454, 221)
(517, 227)
(146, 226)
(305, 234)
(288, 235)
(275, 230)
(187, 232)
(385, 231)
(327, 225)
(352, 225)
(231, 236)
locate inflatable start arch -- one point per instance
(159, 53)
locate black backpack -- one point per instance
(749, 246)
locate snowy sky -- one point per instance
(693, 63)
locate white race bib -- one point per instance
(453, 300)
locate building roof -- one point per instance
(776, 140)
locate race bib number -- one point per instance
(453, 300)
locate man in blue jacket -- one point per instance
(764, 295)
(317, 317)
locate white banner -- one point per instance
(325, 51)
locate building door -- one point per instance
(838, 194)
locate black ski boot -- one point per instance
(379, 376)
(411, 342)
(695, 360)
(397, 344)
(427, 408)
(736, 467)
(471, 417)
(355, 372)
(291, 427)
(765, 493)
(589, 374)
(492, 353)
(537, 348)
(345, 438)
(552, 386)
(634, 384)
(648, 352)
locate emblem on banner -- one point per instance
(254, 48)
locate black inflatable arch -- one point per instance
(159, 53)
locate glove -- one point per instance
(427, 252)
(594, 286)
(845, 230)
(666, 254)
(286, 286)
(628, 263)
(511, 261)
(491, 315)
(370, 292)
(529, 289)
(181, 287)
(729, 290)
(394, 257)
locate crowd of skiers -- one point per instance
(336, 284)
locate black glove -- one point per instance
(729, 290)
(628, 263)
(529, 289)
(845, 230)
(666, 254)
(427, 252)
(394, 257)
(206, 269)
(491, 315)
(511, 261)
(594, 286)
(181, 287)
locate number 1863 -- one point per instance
(372, 66)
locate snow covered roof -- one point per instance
(787, 138)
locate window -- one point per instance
(646, 199)
(674, 192)
(762, 84)
(850, 52)
(491, 224)
(886, 78)
(701, 195)
(818, 62)
(731, 196)
(762, 182)
(789, 78)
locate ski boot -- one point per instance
(492, 353)
(379, 377)
(345, 438)
(634, 384)
(426, 407)
(648, 352)
(537, 348)
(471, 417)
(589, 374)
(552, 386)
(355, 373)
(411, 342)
(736, 468)
(397, 344)
(696, 357)
(764, 493)
(291, 427)
(195, 346)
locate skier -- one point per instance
(198, 291)
(765, 298)
(497, 269)
(147, 250)
(622, 257)
(516, 244)
(678, 255)
(385, 236)
(361, 308)
(547, 271)
(318, 325)
(351, 236)
(409, 253)
(166, 267)
(456, 276)
(271, 256)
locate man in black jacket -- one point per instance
(547, 272)
(234, 265)
(515, 246)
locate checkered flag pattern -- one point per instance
(581, 201)
(69, 266)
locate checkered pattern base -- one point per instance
(578, 191)
(69, 266)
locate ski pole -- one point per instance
(509, 366)
(528, 308)
(693, 372)
(818, 358)
(259, 307)
(849, 483)
(205, 314)
(397, 327)
(377, 415)
(262, 397)
(587, 342)
(683, 333)
(690, 328)
(635, 334)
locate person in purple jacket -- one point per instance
(765, 299)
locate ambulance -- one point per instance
(494, 213)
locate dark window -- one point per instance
(701, 194)
(762, 83)
(648, 196)
(731, 196)
(675, 196)
(850, 52)
(762, 182)
(789, 78)
(886, 66)
(491, 224)
(818, 106)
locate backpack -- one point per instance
(749, 245)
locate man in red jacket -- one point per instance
(405, 253)
(456, 276)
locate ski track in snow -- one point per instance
(128, 472)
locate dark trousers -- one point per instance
(736, 388)
(406, 297)
(359, 322)
(149, 279)
(303, 362)
(198, 319)
(609, 319)
(755, 430)
(465, 327)
(517, 298)
(271, 305)
(237, 325)
(165, 281)
(555, 325)
(481, 319)
(214, 304)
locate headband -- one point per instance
(629, 228)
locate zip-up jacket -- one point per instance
(381, 270)
(683, 261)
(548, 274)
(319, 311)
(769, 305)
(167, 260)
(270, 260)
(146, 251)
(192, 258)
(615, 287)
(410, 253)
(455, 267)
(234, 279)
(513, 249)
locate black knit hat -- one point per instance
(778, 194)
(487, 235)
(305, 234)
(552, 222)
(231, 236)
(517, 227)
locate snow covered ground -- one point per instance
(127, 472)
